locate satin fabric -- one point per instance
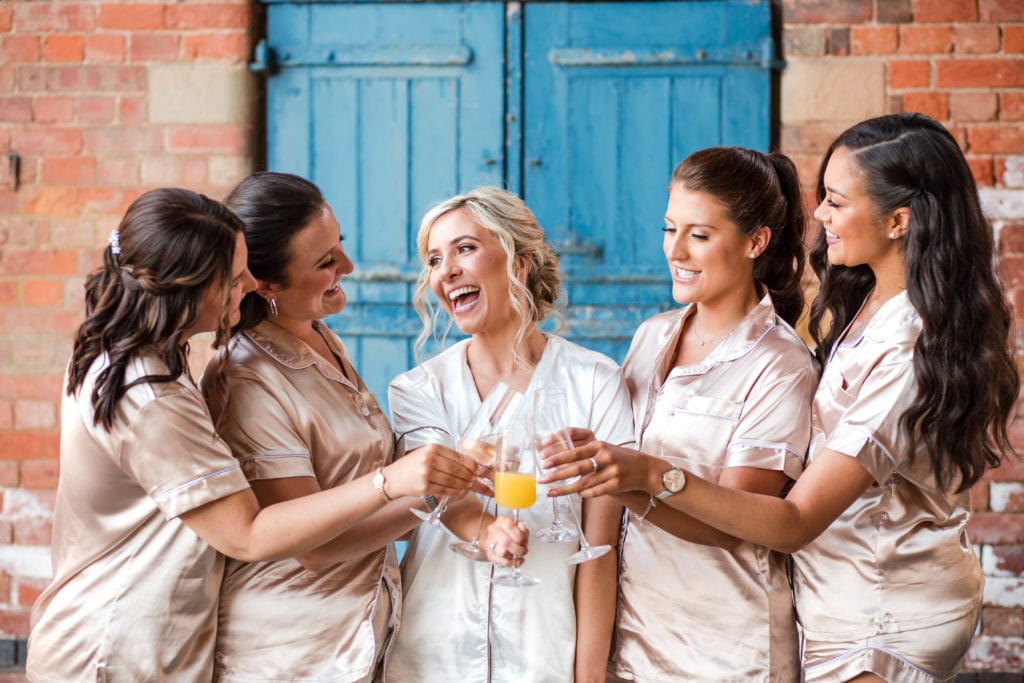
(694, 612)
(291, 413)
(134, 593)
(898, 559)
(456, 626)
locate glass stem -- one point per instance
(579, 527)
(515, 567)
(555, 521)
(480, 524)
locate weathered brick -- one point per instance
(826, 11)
(973, 106)
(975, 38)
(14, 623)
(69, 171)
(97, 109)
(6, 17)
(39, 473)
(1011, 106)
(79, 78)
(208, 15)
(30, 77)
(925, 40)
(32, 531)
(981, 169)
(8, 477)
(1010, 172)
(38, 140)
(34, 386)
(131, 109)
(1008, 497)
(873, 40)
(234, 47)
(77, 17)
(121, 141)
(153, 47)
(131, 16)
(979, 496)
(20, 445)
(19, 48)
(996, 528)
(50, 201)
(1013, 39)
(36, 17)
(933, 104)
(27, 590)
(45, 292)
(117, 171)
(976, 73)
(105, 47)
(895, 11)
(837, 41)
(161, 170)
(945, 10)
(1002, 621)
(38, 262)
(1001, 10)
(222, 139)
(61, 48)
(995, 653)
(122, 78)
(195, 172)
(15, 109)
(909, 74)
(53, 109)
(994, 139)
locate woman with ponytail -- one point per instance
(913, 406)
(721, 387)
(148, 493)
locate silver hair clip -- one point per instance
(115, 242)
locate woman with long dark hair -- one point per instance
(148, 493)
(912, 408)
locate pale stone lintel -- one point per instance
(844, 89)
(1002, 203)
(31, 561)
(200, 93)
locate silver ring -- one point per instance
(593, 461)
(494, 546)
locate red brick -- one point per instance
(909, 74)
(40, 140)
(223, 139)
(194, 171)
(153, 47)
(105, 48)
(118, 172)
(104, 200)
(14, 622)
(7, 422)
(56, 109)
(51, 201)
(945, 10)
(996, 139)
(208, 15)
(7, 533)
(8, 77)
(1011, 106)
(33, 531)
(925, 40)
(220, 46)
(131, 16)
(826, 11)
(78, 17)
(22, 445)
(34, 320)
(975, 38)
(96, 109)
(8, 292)
(39, 474)
(981, 169)
(121, 141)
(933, 104)
(1001, 10)
(979, 496)
(1002, 621)
(973, 106)
(31, 386)
(873, 40)
(38, 17)
(6, 17)
(19, 48)
(996, 528)
(42, 292)
(60, 48)
(31, 77)
(1013, 39)
(975, 73)
(15, 109)
(38, 262)
(8, 476)
(81, 78)
(28, 590)
(69, 171)
(1009, 558)
(131, 109)
(1011, 269)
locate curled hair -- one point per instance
(174, 246)
(967, 380)
(757, 190)
(274, 207)
(505, 216)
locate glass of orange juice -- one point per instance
(515, 488)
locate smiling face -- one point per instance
(855, 233)
(708, 256)
(467, 273)
(316, 263)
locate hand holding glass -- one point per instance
(515, 487)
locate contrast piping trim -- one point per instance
(869, 648)
(187, 484)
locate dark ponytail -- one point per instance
(758, 190)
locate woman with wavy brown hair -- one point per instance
(913, 406)
(148, 493)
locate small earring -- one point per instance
(273, 307)
(892, 235)
(751, 255)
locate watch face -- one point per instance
(673, 480)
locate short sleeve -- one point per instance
(172, 451)
(611, 415)
(774, 426)
(260, 428)
(417, 412)
(869, 428)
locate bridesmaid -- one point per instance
(918, 386)
(488, 265)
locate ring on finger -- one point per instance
(593, 461)
(494, 546)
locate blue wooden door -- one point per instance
(615, 95)
(389, 109)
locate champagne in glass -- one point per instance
(515, 487)
(483, 449)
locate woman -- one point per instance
(490, 269)
(299, 419)
(905, 418)
(148, 493)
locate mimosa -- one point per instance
(515, 490)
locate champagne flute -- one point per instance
(550, 427)
(515, 488)
(483, 449)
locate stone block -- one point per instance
(228, 92)
(819, 90)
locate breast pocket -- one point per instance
(840, 391)
(711, 407)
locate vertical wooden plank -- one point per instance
(383, 167)
(696, 114)
(514, 97)
(433, 150)
(593, 164)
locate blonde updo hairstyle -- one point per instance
(505, 216)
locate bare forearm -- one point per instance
(596, 594)
(371, 534)
(463, 517)
(679, 524)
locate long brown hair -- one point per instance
(171, 246)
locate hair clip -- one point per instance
(115, 242)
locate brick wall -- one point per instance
(103, 100)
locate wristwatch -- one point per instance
(378, 483)
(672, 481)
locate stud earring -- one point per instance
(273, 307)
(892, 235)
(751, 255)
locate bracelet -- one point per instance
(431, 503)
(650, 506)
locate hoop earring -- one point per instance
(273, 307)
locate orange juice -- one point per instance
(515, 490)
